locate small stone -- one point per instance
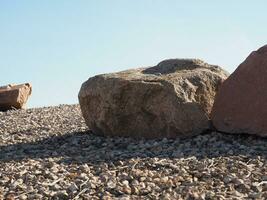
(73, 187)
(142, 185)
(135, 182)
(125, 183)
(142, 179)
(85, 168)
(23, 197)
(135, 190)
(53, 176)
(10, 197)
(55, 187)
(227, 179)
(104, 178)
(83, 176)
(254, 195)
(164, 179)
(111, 184)
(127, 189)
(238, 181)
(35, 196)
(62, 194)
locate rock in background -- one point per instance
(14, 96)
(171, 99)
(241, 103)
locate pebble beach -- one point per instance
(49, 153)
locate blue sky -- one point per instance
(57, 45)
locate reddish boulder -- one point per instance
(241, 104)
(14, 96)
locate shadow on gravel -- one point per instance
(84, 147)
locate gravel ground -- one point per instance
(48, 153)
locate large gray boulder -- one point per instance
(171, 99)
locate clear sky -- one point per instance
(56, 45)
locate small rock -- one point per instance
(62, 194)
(111, 184)
(73, 187)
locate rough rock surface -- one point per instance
(14, 96)
(241, 103)
(171, 99)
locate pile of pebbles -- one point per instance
(48, 153)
